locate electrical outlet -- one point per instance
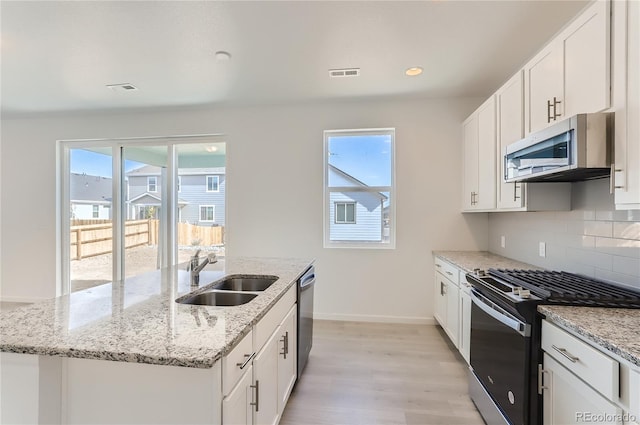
(503, 241)
(542, 249)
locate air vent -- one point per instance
(346, 72)
(122, 87)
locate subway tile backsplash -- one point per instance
(593, 239)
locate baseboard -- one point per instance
(21, 299)
(375, 318)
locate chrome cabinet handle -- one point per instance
(549, 106)
(257, 402)
(246, 362)
(438, 265)
(285, 344)
(541, 373)
(566, 354)
(555, 108)
(449, 273)
(515, 191)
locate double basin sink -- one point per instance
(231, 291)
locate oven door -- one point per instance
(500, 344)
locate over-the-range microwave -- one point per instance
(577, 148)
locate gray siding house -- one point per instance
(200, 194)
(90, 197)
(354, 215)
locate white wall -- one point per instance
(274, 202)
(592, 239)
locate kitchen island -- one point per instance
(127, 352)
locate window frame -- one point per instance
(200, 207)
(155, 184)
(217, 177)
(384, 243)
(346, 204)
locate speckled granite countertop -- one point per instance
(484, 260)
(614, 329)
(138, 320)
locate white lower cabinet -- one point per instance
(465, 318)
(569, 400)
(265, 372)
(452, 304)
(237, 406)
(287, 358)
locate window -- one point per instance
(359, 173)
(152, 184)
(345, 213)
(207, 213)
(212, 183)
(96, 211)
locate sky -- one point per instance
(95, 164)
(367, 158)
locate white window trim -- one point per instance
(200, 207)
(155, 184)
(179, 184)
(391, 243)
(217, 184)
(345, 203)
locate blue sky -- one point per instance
(95, 164)
(367, 158)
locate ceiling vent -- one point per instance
(346, 72)
(122, 87)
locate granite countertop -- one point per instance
(483, 260)
(137, 320)
(614, 329)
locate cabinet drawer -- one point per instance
(235, 363)
(268, 324)
(447, 269)
(592, 366)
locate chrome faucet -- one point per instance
(196, 267)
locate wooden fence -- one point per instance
(89, 240)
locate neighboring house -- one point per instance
(90, 196)
(200, 194)
(355, 215)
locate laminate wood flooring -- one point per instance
(381, 374)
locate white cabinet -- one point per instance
(479, 146)
(447, 299)
(237, 406)
(465, 318)
(440, 300)
(287, 358)
(626, 176)
(571, 74)
(510, 125)
(265, 372)
(568, 400)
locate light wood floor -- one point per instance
(386, 374)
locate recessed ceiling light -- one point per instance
(122, 87)
(223, 56)
(412, 72)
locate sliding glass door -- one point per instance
(130, 207)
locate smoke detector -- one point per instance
(122, 87)
(345, 72)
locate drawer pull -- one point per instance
(449, 273)
(246, 362)
(541, 386)
(566, 354)
(438, 266)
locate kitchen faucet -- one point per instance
(196, 267)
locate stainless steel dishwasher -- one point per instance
(305, 317)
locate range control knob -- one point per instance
(525, 293)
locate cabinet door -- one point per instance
(486, 198)
(265, 371)
(543, 83)
(453, 319)
(440, 300)
(627, 122)
(587, 61)
(510, 111)
(287, 358)
(465, 323)
(236, 407)
(568, 400)
(470, 169)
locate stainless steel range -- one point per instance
(505, 334)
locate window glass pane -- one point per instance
(360, 160)
(340, 212)
(351, 213)
(91, 228)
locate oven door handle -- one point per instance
(500, 315)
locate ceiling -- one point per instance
(59, 56)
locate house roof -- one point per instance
(353, 179)
(86, 188)
(152, 170)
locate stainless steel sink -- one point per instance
(223, 299)
(253, 284)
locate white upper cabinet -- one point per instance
(479, 184)
(571, 75)
(510, 123)
(626, 85)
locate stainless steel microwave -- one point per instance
(577, 148)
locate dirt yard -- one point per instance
(93, 271)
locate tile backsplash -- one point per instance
(593, 239)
